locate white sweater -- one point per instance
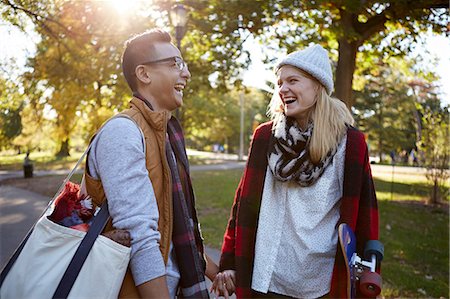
(296, 238)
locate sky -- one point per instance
(16, 45)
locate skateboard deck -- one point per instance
(360, 273)
(347, 240)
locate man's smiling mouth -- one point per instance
(179, 88)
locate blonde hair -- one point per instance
(330, 117)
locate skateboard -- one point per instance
(361, 272)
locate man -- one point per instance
(146, 180)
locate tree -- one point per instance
(219, 123)
(11, 106)
(77, 61)
(384, 108)
(435, 148)
(348, 26)
(80, 48)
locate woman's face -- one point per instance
(297, 91)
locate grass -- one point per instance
(416, 240)
(214, 194)
(415, 236)
(48, 161)
(44, 185)
(41, 161)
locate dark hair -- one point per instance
(138, 49)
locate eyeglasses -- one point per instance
(179, 62)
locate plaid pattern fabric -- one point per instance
(358, 209)
(186, 235)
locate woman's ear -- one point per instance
(142, 74)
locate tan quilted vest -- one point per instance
(154, 127)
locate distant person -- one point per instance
(27, 160)
(392, 155)
(147, 181)
(308, 171)
(27, 166)
(412, 158)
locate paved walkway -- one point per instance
(19, 210)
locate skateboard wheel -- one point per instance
(374, 247)
(370, 284)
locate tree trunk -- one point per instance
(344, 71)
(64, 149)
(435, 192)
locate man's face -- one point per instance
(167, 79)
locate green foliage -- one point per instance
(351, 26)
(210, 117)
(11, 106)
(385, 107)
(435, 148)
(76, 72)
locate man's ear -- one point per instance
(142, 74)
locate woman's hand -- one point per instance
(224, 284)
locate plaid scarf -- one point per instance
(358, 209)
(186, 237)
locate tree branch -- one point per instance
(395, 11)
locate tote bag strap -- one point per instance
(82, 252)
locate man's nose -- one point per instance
(185, 73)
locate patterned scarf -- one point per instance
(288, 155)
(186, 237)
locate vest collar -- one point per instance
(158, 120)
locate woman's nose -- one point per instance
(283, 88)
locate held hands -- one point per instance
(224, 283)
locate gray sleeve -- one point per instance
(117, 158)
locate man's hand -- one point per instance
(120, 236)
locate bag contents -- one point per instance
(76, 211)
(72, 210)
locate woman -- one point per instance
(308, 171)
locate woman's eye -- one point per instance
(292, 80)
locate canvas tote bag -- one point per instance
(54, 261)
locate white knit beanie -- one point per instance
(313, 60)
